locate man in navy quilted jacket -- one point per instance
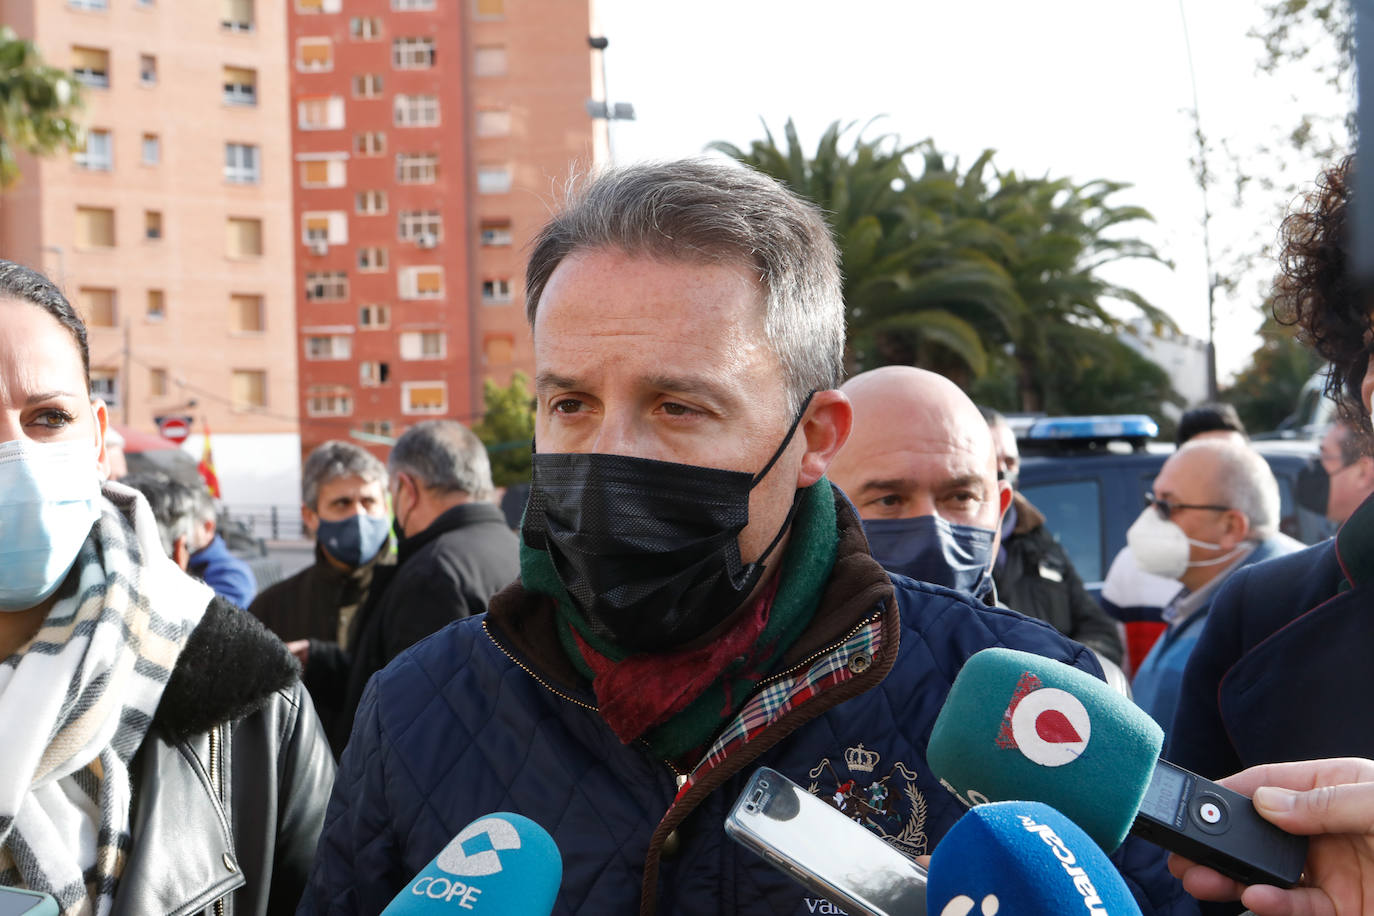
(695, 599)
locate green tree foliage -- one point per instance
(978, 274)
(1267, 390)
(37, 105)
(507, 428)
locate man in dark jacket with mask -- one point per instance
(343, 506)
(695, 599)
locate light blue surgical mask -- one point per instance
(929, 549)
(49, 499)
(354, 540)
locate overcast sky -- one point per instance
(1076, 88)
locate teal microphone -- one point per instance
(499, 864)
(1022, 726)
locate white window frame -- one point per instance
(313, 67)
(242, 94)
(370, 203)
(328, 401)
(367, 85)
(374, 317)
(147, 77)
(415, 111)
(336, 172)
(413, 53)
(88, 159)
(411, 225)
(417, 168)
(333, 286)
(365, 28)
(372, 259)
(500, 293)
(495, 179)
(105, 385)
(407, 410)
(151, 142)
(370, 373)
(497, 236)
(333, 113)
(408, 282)
(405, 6)
(242, 163)
(370, 143)
(88, 4)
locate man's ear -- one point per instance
(310, 519)
(825, 428)
(102, 426)
(181, 552)
(1237, 528)
(1364, 469)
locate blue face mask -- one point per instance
(354, 540)
(929, 549)
(49, 499)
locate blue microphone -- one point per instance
(1026, 859)
(499, 864)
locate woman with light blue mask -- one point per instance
(160, 754)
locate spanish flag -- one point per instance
(207, 465)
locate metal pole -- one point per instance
(1362, 253)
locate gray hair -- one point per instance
(173, 504)
(444, 455)
(1244, 482)
(334, 459)
(716, 212)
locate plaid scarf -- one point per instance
(77, 701)
(682, 698)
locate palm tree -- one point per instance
(37, 103)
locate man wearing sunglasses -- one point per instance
(1214, 510)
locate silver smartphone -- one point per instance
(817, 845)
(17, 902)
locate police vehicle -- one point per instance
(1089, 476)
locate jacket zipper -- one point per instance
(216, 782)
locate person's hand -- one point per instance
(301, 649)
(1330, 800)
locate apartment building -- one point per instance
(429, 140)
(169, 229)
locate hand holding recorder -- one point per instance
(1330, 800)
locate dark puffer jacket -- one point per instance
(483, 716)
(231, 781)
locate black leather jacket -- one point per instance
(231, 782)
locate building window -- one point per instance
(422, 345)
(320, 112)
(372, 373)
(246, 314)
(240, 86)
(498, 350)
(496, 292)
(241, 163)
(152, 225)
(243, 237)
(370, 203)
(496, 233)
(333, 346)
(98, 305)
(367, 85)
(371, 259)
(322, 228)
(493, 179)
(416, 110)
(248, 389)
(314, 54)
(157, 305)
(105, 386)
(157, 383)
(376, 427)
(412, 53)
(404, 6)
(236, 15)
(147, 69)
(425, 227)
(318, 6)
(91, 67)
(365, 28)
(88, 4)
(493, 123)
(489, 60)
(97, 152)
(326, 286)
(374, 317)
(152, 149)
(489, 9)
(424, 398)
(420, 282)
(328, 401)
(95, 227)
(417, 168)
(371, 143)
(330, 172)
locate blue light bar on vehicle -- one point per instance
(1123, 426)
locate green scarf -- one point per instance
(806, 567)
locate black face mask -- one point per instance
(648, 550)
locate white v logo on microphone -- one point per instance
(457, 861)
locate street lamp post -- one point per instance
(603, 110)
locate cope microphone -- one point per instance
(1024, 858)
(1021, 726)
(499, 864)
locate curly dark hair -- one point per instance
(1314, 292)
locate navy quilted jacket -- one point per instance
(458, 727)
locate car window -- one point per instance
(1073, 514)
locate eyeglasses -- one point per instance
(1166, 508)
